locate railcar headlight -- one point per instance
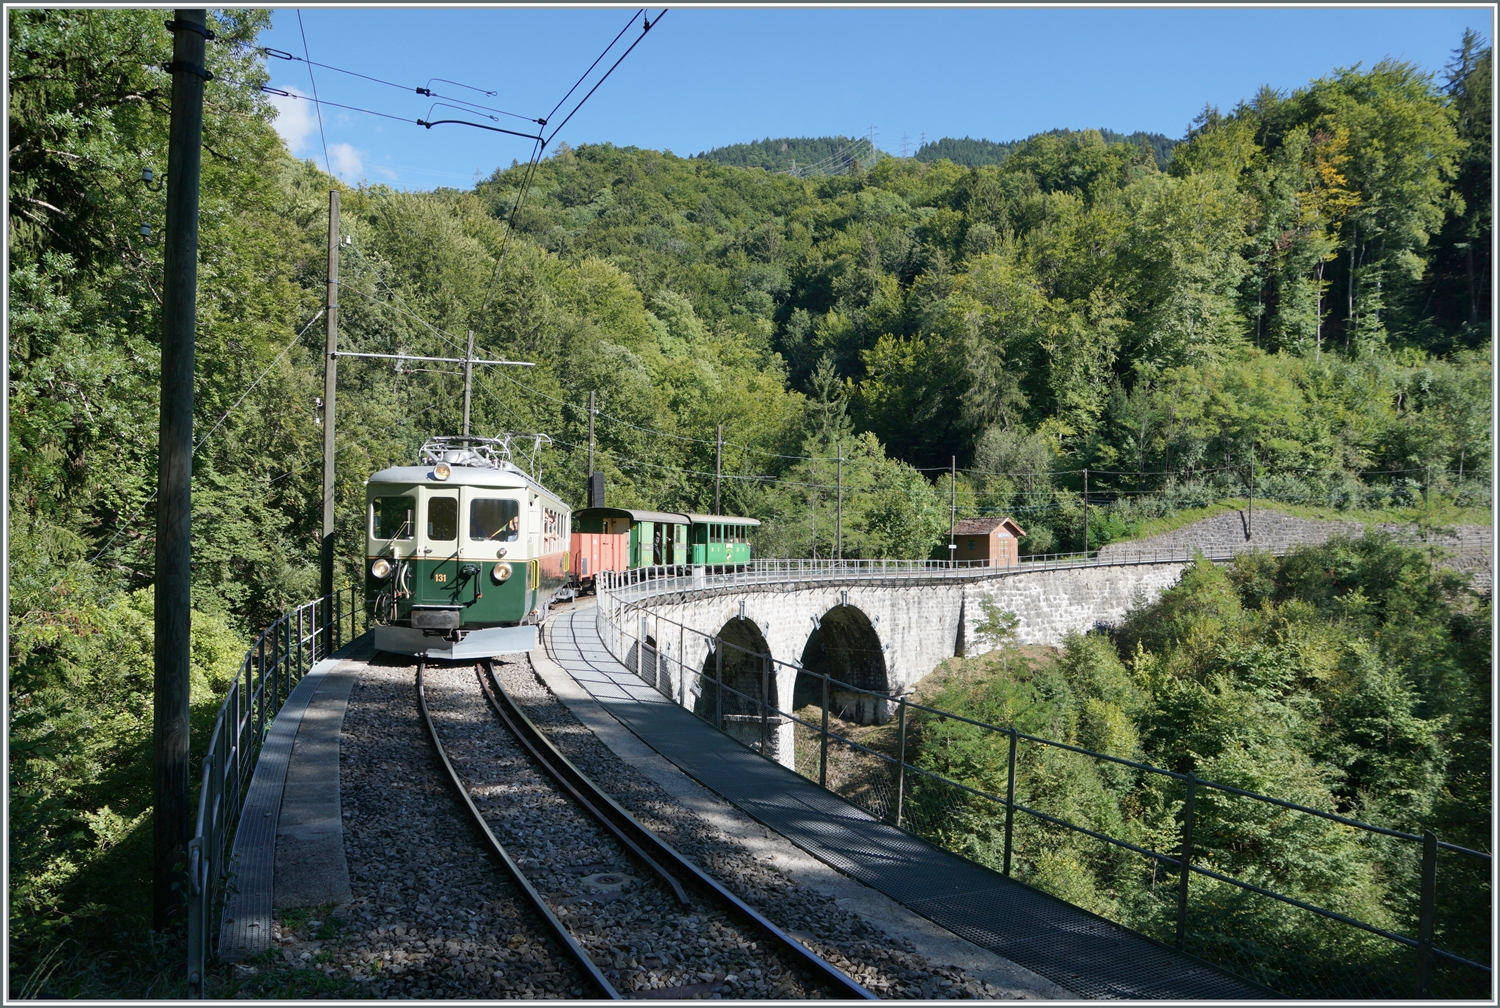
(380, 569)
(441, 471)
(500, 573)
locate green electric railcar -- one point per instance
(465, 552)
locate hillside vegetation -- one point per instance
(781, 154)
(1306, 284)
(1349, 678)
(974, 153)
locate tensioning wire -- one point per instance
(427, 91)
(327, 165)
(204, 439)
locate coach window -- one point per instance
(495, 519)
(442, 518)
(391, 518)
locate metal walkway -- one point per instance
(1088, 955)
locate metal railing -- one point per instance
(647, 581)
(1207, 920)
(272, 668)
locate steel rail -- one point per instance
(505, 712)
(619, 821)
(559, 932)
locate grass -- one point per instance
(120, 957)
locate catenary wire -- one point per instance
(327, 165)
(645, 28)
(283, 55)
(535, 160)
(204, 439)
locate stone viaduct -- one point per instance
(881, 627)
(877, 630)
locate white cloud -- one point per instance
(295, 120)
(347, 164)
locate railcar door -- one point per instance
(437, 580)
(495, 547)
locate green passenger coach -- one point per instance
(720, 539)
(620, 539)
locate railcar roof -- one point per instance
(706, 519)
(663, 517)
(507, 476)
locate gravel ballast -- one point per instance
(885, 965)
(432, 916)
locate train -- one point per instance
(465, 551)
(606, 538)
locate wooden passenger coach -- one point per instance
(617, 539)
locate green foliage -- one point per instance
(781, 154)
(80, 744)
(1307, 283)
(974, 153)
(1336, 678)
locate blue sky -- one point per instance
(706, 77)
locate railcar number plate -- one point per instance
(439, 577)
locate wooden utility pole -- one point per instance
(171, 789)
(718, 466)
(591, 434)
(839, 535)
(1085, 514)
(330, 385)
(468, 381)
(952, 508)
(1250, 516)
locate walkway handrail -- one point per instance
(649, 581)
(272, 667)
(623, 599)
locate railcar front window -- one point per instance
(442, 518)
(391, 518)
(494, 519)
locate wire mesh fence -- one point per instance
(1302, 900)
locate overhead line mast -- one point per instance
(330, 387)
(171, 826)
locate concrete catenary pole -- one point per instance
(330, 384)
(1250, 515)
(839, 534)
(718, 465)
(952, 508)
(170, 821)
(1085, 514)
(468, 381)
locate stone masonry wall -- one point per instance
(1054, 603)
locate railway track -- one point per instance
(677, 916)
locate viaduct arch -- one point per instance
(878, 631)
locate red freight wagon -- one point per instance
(621, 539)
(599, 551)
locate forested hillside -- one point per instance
(1305, 285)
(976, 153)
(779, 155)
